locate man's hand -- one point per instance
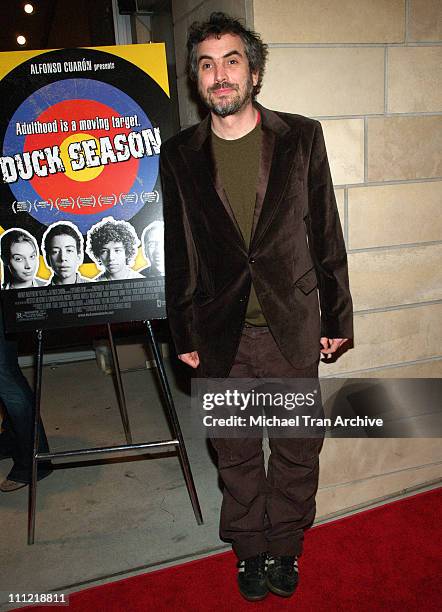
(331, 345)
(191, 359)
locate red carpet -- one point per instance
(386, 559)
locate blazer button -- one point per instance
(251, 260)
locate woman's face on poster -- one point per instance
(23, 261)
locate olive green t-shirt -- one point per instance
(238, 167)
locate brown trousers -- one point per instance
(267, 512)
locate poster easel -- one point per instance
(177, 438)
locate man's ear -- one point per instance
(255, 78)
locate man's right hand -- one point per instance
(191, 359)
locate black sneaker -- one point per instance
(252, 577)
(282, 575)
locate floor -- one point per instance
(106, 518)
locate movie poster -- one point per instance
(81, 227)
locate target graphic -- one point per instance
(84, 196)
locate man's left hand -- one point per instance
(331, 345)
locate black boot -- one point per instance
(252, 577)
(282, 575)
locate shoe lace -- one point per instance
(255, 565)
(287, 563)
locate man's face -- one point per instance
(23, 261)
(154, 248)
(113, 258)
(225, 82)
(64, 258)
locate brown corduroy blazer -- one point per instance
(297, 252)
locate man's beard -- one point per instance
(230, 104)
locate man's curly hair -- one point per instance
(217, 25)
(113, 231)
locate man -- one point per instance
(252, 236)
(153, 247)
(113, 245)
(16, 439)
(63, 250)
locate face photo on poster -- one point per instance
(152, 240)
(20, 259)
(113, 246)
(80, 137)
(63, 250)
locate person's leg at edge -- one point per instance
(15, 394)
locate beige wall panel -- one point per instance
(426, 369)
(315, 82)
(306, 21)
(425, 20)
(422, 369)
(188, 109)
(338, 499)
(391, 337)
(395, 276)
(404, 148)
(394, 214)
(400, 412)
(344, 139)
(347, 459)
(414, 79)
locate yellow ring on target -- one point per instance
(87, 174)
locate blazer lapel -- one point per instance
(202, 166)
(267, 148)
(218, 186)
(277, 158)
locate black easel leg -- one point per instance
(119, 387)
(182, 453)
(33, 484)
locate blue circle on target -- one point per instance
(83, 90)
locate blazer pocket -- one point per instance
(203, 297)
(307, 282)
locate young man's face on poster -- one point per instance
(113, 258)
(64, 257)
